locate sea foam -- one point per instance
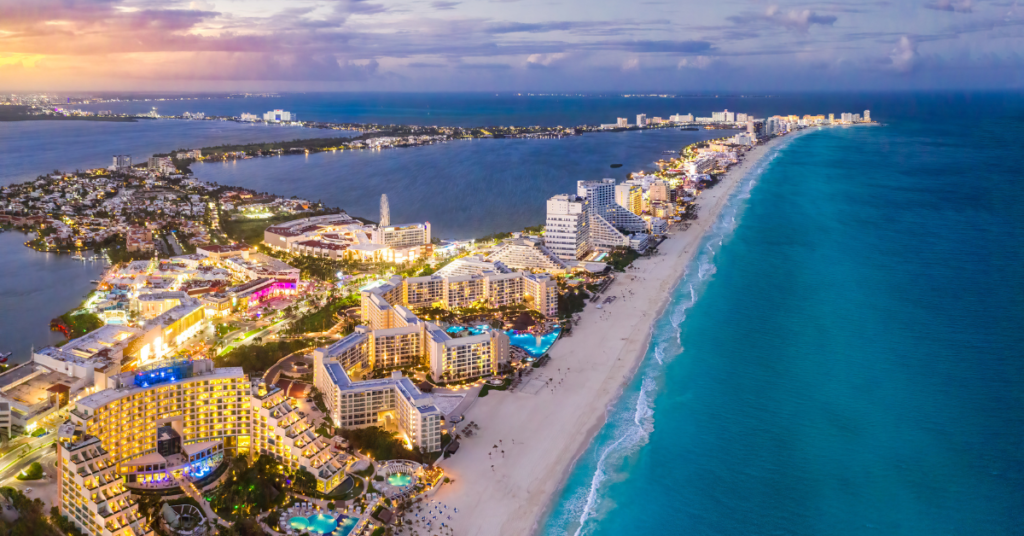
(631, 420)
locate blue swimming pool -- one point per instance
(526, 341)
(529, 342)
(400, 479)
(319, 523)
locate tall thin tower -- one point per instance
(385, 211)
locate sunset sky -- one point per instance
(672, 45)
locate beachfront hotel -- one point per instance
(279, 431)
(594, 219)
(526, 253)
(91, 494)
(171, 424)
(394, 403)
(394, 337)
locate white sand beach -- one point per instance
(542, 434)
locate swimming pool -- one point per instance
(475, 330)
(400, 479)
(529, 342)
(345, 526)
(526, 341)
(319, 523)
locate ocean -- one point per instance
(843, 356)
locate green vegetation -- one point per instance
(259, 357)
(34, 472)
(620, 258)
(243, 527)
(318, 399)
(324, 318)
(488, 387)
(32, 521)
(571, 302)
(250, 490)
(380, 444)
(250, 231)
(80, 323)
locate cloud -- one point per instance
(631, 64)
(442, 5)
(542, 61)
(696, 62)
(485, 66)
(958, 6)
(904, 56)
(642, 46)
(794, 19)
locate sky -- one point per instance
(510, 45)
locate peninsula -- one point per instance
(282, 366)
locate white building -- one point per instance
(565, 227)
(525, 253)
(248, 117)
(122, 161)
(279, 116)
(405, 235)
(641, 120)
(622, 122)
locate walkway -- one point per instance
(190, 490)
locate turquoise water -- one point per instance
(319, 523)
(400, 479)
(345, 526)
(843, 357)
(528, 341)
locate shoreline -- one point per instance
(519, 494)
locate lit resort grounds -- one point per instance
(533, 344)
(400, 479)
(333, 524)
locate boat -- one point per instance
(690, 128)
(670, 152)
(616, 166)
(94, 282)
(78, 257)
(4, 356)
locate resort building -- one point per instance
(591, 219)
(281, 433)
(537, 291)
(174, 422)
(565, 229)
(630, 196)
(250, 266)
(397, 236)
(157, 303)
(338, 236)
(199, 402)
(472, 265)
(465, 358)
(393, 403)
(525, 253)
(91, 494)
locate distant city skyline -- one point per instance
(502, 45)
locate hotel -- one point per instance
(173, 423)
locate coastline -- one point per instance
(585, 377)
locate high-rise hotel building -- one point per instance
(173, 422)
